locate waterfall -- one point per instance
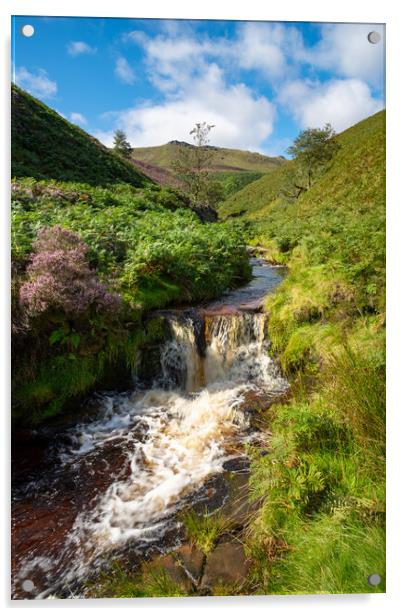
(172, 438)
(230, 347)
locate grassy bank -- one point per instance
(321, 483)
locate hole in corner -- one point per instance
(374, 579)
(28, 585)
(28, 30)
(374, 37)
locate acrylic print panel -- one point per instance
(198, 298)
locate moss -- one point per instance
(60, 381)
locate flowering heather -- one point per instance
(59, 277)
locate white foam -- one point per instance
(186, 436)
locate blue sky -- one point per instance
(259, 83)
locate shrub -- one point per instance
(59, 278)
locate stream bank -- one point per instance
(112, 487)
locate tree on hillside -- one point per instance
(121, 145)
(311, 150)
(193, 166)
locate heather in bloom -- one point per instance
(59, 278)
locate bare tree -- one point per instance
(193, 166)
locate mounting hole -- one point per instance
(374, 579)
(374, 37)
(28, 585)
(28, 30)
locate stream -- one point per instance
(113, 484)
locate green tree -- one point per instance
(121, 145)
(193, 166)
(311, 150)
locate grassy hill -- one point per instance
(321, 483)
(234, 169)
(46, 146)
(253, 197)
(355, 161)
(225, 159)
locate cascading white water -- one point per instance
(188, 428)
(236, 351)
(181, 364)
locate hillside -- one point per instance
(356, 167)
(321, 483)
(46, 146)
(160, 175)
(225, 159)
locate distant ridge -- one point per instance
(225, 159)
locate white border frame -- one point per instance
(291, 10)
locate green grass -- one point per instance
(46, 146)
(151, 581)
(250, 200)
(204, 530)
(321, 486)
(333, 554)
(320, 527)
(233, 181)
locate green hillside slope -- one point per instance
(46, 146)
(321, 482)
(253, 197)
(358, 160)
(225, 159)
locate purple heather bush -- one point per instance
(59, 278)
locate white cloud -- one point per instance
(341, 102)
(37, 84)
(182, 67)
(78, 118)
(105, 137)
(78, 48)
(124, 71)
(201, 78)
(241, 119)
(258, 46)
(345, 50)
(264, 47)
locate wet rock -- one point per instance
(192, 561)
(211, 496)
(257, 400)
(174, 570)
(237, 465)
(227, 564)
(237, 509)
